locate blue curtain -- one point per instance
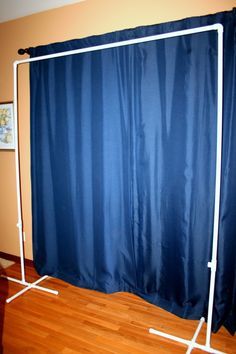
(123, 167)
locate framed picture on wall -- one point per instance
(7, 133)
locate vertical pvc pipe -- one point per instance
(213, 263)
(193, 341)
(17, 167)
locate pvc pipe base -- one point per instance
(191, 344)
(28, 286)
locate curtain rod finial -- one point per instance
(22, 51)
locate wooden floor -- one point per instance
(85, 321)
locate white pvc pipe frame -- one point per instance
(213, 263)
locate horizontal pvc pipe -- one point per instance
(185, 341)
(15, 280)
(54, 292)
(34, 285)
(169, 336)
(29, 286)
(216, 27)
(10, 299)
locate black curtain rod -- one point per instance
(22, 51)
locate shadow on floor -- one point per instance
(3, 297)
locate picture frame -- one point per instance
(7, 128)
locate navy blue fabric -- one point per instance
(123, 167)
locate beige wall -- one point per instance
(74, 21)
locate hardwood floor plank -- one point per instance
(86, 321)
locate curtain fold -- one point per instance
(123, 147)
